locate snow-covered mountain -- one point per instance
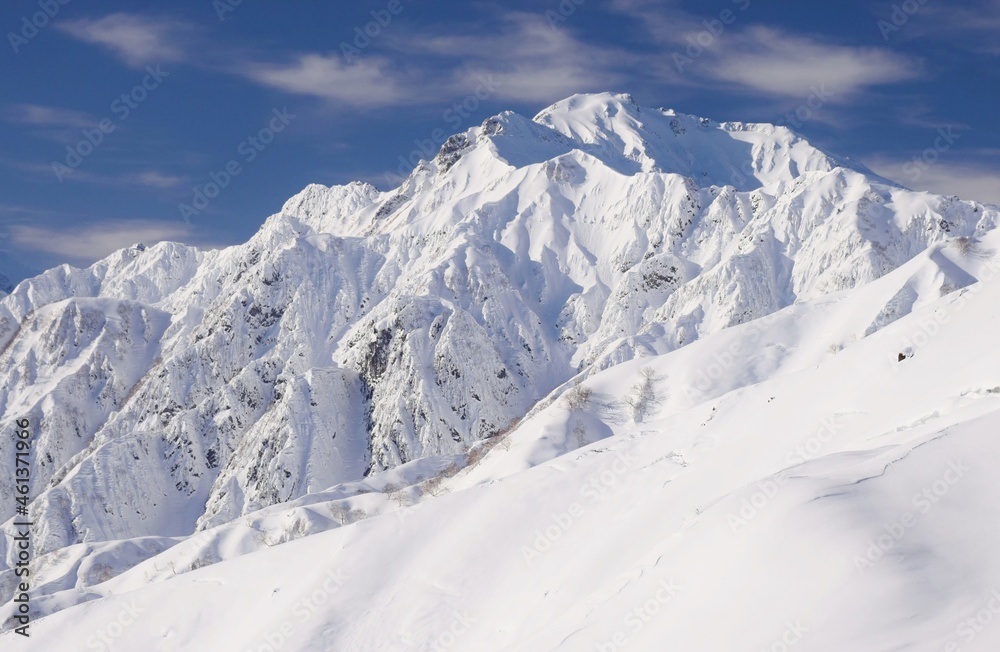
(363, 341)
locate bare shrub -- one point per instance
(98, 574)
(397, 494)
(435, 485)
(965, 244)
(342, 513)
(642, 396)
(476, 454)
(261, 536)
(204, 560)
(578, 397)
(501, 438)
(580, 433)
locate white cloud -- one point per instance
(527, 58)
(976, 181)
(139, 40)
(47, 116)
(158, 180)
(768, 61)
(530, 60)
(86, 244)
(136, 39)
(777, 63)
(662, 20)
(368, 82)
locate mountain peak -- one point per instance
(591, 102)
(630, 138)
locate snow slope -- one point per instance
(197, 408)
(816, 497)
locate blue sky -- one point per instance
(114, 113)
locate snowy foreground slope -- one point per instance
(793, 484)
(375, 384)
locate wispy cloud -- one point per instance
(662, 20)
(46, 116)
(778, 63)
(155, 179)
(979, 181)
(763, 60)
(137, 40)
(916, 112)
(49, 123)
(147, 178)
(531, 59)
(973, 25)
(539, 62)
(86, 244)
(369, 82)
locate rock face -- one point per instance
(170, 389)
